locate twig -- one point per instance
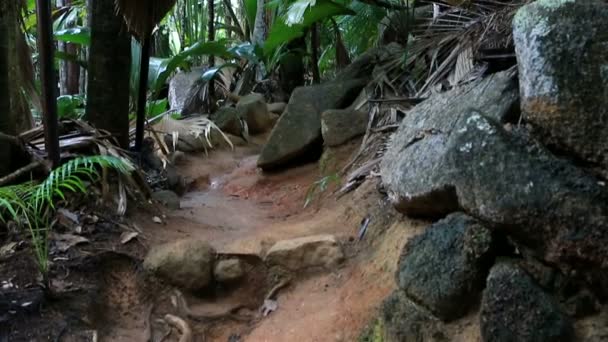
(385, 128)
(148, 324)
(13, 176)
(273, 292)
(399, 99)
(181, 326)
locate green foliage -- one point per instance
(157, 107)
(251, 7)
(373, 333)
(293, 25)
(320, 186)
(70, 106)
(74, 35)
(31, 205)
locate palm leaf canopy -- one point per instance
(141, 16)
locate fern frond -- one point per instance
(71, 176)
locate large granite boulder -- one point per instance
(338, 126)
(179, 88)
(444, 269)
(298, 130)
(511, 183)
(514, 308)
(416, 151)
(562, 54)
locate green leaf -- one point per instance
(162, 68)
(157, 107)
(212, 72)
(75, 35)
(282, 33)
(251, 7)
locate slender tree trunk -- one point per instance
(210, 38)
(259, 27)
(6, 126)
(73, 71)
(108, 74)
(314, 53)
(342, 58)
(69, 73)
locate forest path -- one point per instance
(239, 209)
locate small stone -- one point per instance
(228, 271)
(307, 252)
(157, 220)
(254, 110)
(185, 263)
(167, 198)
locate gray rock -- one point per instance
(405, 321)
(179, 87)
(508, 181)
(416, 151)
(298, 130)
(184, 263)
(341, 125)
(444, 268)
(306, 252)
(228, 120)
(167, 198)
(514, 308)
(254, 110)
(228, 271)
(562, 54)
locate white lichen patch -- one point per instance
(481, 124)
(528, 187)
(466, 148)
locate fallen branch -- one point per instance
(181, 326)
(20, 172)
(148, 324)
(183, 308)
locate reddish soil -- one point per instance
(239, 209)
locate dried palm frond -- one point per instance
(446, 44)
(196, 127)
(141, 16)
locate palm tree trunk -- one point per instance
(314, 53)
(210, 38)
(108, 73)
(5, 102)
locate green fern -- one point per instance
(31, 204)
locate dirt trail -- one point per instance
(241, 210)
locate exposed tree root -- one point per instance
(181, 326)
(273, 292)
(231, 313)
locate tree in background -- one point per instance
(108, 74)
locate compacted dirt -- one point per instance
(240, 211)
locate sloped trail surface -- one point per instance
(240, 210)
